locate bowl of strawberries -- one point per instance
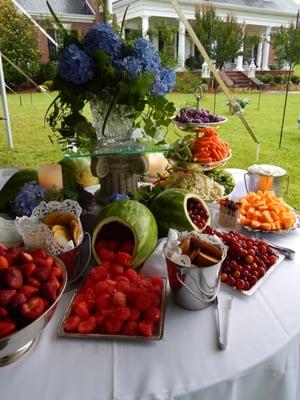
(31, 284)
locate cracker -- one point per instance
(75, 231)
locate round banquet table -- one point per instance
(261, 361)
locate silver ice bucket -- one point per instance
(192, 288)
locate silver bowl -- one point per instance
(16, 345)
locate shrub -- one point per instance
(46, 72)
(278, 79)
(295, 79)
(193, 62)
(186, 82)
(47, 84)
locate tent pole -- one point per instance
(5, 107)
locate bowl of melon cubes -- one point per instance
(264, 211)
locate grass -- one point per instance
(33, 147)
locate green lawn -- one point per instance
(33, 147)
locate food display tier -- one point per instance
(192, 127)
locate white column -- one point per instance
(109, 8)
(259, 55)
(181, 45)
(145, 26)
(266, 50)
(239, 61)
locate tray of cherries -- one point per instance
(248, 263)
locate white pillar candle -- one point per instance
(50, 176)
(157, 164)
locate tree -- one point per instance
(18, 42)
(222, 39)
(286, 42)
(166, 35)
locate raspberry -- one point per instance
(134, 314)
(131, 274)
(119, 299)
(87, 326)
(116, 269)
(153, 314)
(123, 259)
(145, 328)
(113, 245)
(71, 324)
(112, 325)
(82, 310)
(106, 255)
(98, 273)
(130, 328)
(143, 301)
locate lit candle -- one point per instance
(157, 164)
(50, 176)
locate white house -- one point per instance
(258, 16)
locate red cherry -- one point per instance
(240, 284)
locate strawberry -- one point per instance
(41, 273)
(29, 291)
(33, 282)
(27, 269)
(130, 328)
(153, 314)
(119, 299)
(24, 258)
(87, 326)
(145, 328)
(18, 299)
(71, 324)
(49, 261)
(3, 262)
(13, 278)
(112, 325)
(113, 245)
(3, 313)
(82, 310)
(54, 280)
(123, 258)
(49, 290)
(39, 253)
(6, 328)
(3, 249)
(6, 295)
(143, 301)
(33, 308)
(57, 271)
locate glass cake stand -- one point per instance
(119, 166)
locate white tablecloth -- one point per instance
(261, 361)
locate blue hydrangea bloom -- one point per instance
(132, 65)
(145, 52)
(29, 197)
(164, 82)
(118, 197)
(75, 65)
(102, 37)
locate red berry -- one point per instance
(113, 245)
(119, 299)
(106, 255)
(24, 257)
(122, 313)
(224, 277)
(39, 253)
(3, 313)
(27, 269)
(6, 295)
(112, 325)
(127, 247)
(123, 258)
(240, 284)
(3, 262)
(87, 326)
(33, 308)
(18, 299)
(29, 291)
(103, 301)
(143, 301)
(145, 328)
(130, 328)
(13, 278)
(98, 273)
(101, 287)
(41, 273)
(157, 281)
(122, 284)
(6, 328)
(49, 290)
(71, 324)
(135, 314)
(116, 269)
(34, 282)
(82, 310)
(153, 314)
(131, 274)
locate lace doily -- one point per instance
(37, 234)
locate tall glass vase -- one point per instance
(119, 123)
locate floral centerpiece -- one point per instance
(123, 80)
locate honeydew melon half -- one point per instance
(177, 208)
(127, 218)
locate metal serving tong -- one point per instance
(223, 323)
(285, 251)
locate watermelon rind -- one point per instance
(138, 219)
(170, 211)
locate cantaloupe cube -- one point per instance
(255, 224)
(266, 226)
(266, 217)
